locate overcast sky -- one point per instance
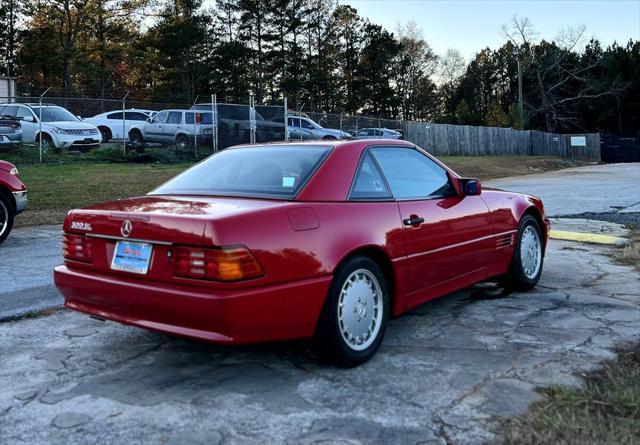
(472, 25)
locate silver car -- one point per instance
(10, 132)
(304, 128)
(377, 133)
(175, 126)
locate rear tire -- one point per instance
(106, 134)
(528, 257)
(6, 217)
(182, 143)
(354, 317)
(136, 140)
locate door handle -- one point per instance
(413, 221)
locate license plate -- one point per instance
(132, 257)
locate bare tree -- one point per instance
(451, 66)
(561, 80)
(519, 30)
(563, 83)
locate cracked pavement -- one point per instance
(446, 372)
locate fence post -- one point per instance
(214, 122)
(40, 121)
(286, 124)
(252, 120)
(195, 129)
(124, 126)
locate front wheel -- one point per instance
(6, 217)
(355, 314)
(46, 143)
(528, 256)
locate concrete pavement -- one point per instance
(446, 372)
(27, 259)
(573, 191)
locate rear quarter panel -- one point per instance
(292, 248)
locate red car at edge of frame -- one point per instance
(13, 197)
(320, 240)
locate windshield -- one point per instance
(269, 171)
(54, 114)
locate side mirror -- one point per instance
(471, 187)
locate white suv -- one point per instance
(60, 128)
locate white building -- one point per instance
(7, 89)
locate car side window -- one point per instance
(10, 110)
(160, 118)
(412, 175)
(117, 116)
(369, 183)
(306, 124)
(23, 113)
(188, 118)
(135, 116)
(175, 117)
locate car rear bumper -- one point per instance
(10, 138)
(21, 200)
(270, 313)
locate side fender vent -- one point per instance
(504, 240)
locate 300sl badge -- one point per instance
(77, 225)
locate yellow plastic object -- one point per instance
(595, 238)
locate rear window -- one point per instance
(270, 171)
(205, 118)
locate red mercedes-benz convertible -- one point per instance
(322, 240)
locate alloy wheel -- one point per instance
(530, 252)
(360, 309)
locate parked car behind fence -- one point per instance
(377, 133)
(182, 127)
(10, 132)
(111, 123)
(60, 128)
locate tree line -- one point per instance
(322, 56)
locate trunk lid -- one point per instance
(161, 221)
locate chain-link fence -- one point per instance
(52, 129)
(63, 127)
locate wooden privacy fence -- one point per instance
(465, 140)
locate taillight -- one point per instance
(76, 248)
(224, 264)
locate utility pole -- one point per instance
(516, 51)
